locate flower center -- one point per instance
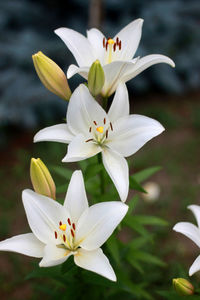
(99, 133)
(111, 46)
(66, 233)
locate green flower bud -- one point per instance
(41, 179)
(183, 287)
(96, 78)
(51, 75)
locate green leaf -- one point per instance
(145, 257)
(62, 188)
(149, 220)
(63, 172)
(135, 264)
(133, 224)
(92, 170)
(112, 244)
(132, 203)
(145, 174)
(141, 241)
(135, 185)
(68, 265)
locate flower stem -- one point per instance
(101, 175)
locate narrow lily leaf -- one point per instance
(132, 203)
(146, 257)
(149, 220)
(92, 170)
(133, 224)
(63, 172)
(113, 247)
(135, 264)
(141, 241)
(145, 174)
(135, 185)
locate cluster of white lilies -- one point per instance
(74, 228)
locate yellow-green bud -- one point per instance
(183, 287)
(51, 75)
(96, 78)
(41, 179)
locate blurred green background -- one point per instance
(169, 95)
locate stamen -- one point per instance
(114, 47)
(64, 238)
(69, 222)
(72, 233)
(104, 121)
(89, 140)
(117, 41)
(100, 129)
(111, 126)
(90, 129)
(63, 227)
(110, 41)
(106, 133)
(60, 223)
(56, 235)
(73, 225)
(104, 42)
(95, 123)
(120, 45)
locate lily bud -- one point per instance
(41, 179)
(96, 78)
(183, 287)
(51, 75)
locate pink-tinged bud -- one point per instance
(183, 287)
(96, 78)
(41, 179)
(51, 75)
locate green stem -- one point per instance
(101, 175)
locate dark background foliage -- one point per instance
(171, 27)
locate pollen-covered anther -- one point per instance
(63, 227)
(111, 127)
(73, 226)
(69, 221)
(64, 238)
(100, 129)
(90, 140)
(56, 235)
(72, 233)
(106, 133)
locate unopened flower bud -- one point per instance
(183, 287)
(96, 78)
(41, 179)
(51, 75)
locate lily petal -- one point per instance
(83, 110)
(95, 261)
(98, 222)
(44, 215)
(54, 255)
(78, 44)
(120, 105)
(196, 211)
(114, 73)
(76, 200)
(117, 168)
(57, 133)
(144, 63)
(79, 149)
(132, 132)
(26, 244)
(72, 70)
(195, 267)
(189, 230)
(130, 37)
(95, 38)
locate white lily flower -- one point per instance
(193, 233)
(115, 54)
(90, 130)
(60, 231)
